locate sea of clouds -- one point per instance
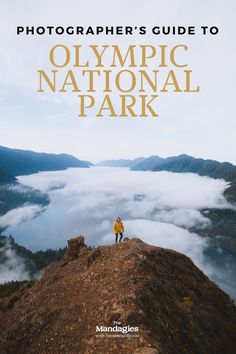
(158, 207)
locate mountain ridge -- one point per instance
(17, 162)
(159, 291)
(225, 170)
(121, 162)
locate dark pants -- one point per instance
(121, 236)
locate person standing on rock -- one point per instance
(118, 228)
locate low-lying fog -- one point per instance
(158, 207)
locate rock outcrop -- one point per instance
(74, 247)
(164, 302)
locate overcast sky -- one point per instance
(202, 125)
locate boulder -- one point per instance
(74, 247)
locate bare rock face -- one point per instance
(174, 307)
(74, 247)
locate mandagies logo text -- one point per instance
(117, 328)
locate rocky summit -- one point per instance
(129, 298)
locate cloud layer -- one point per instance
(158, 207)
(92, 198)
(18, 215)
(13, 267)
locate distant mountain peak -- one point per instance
(121, 162)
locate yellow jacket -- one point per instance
(118, 227)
